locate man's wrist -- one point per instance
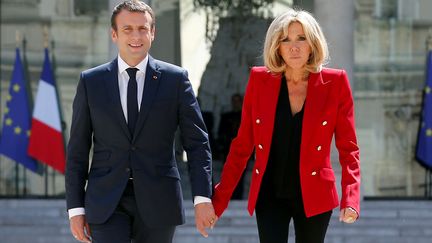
(201, 199)
(75, 212)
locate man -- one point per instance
(129, 110)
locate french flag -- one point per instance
(46, 139)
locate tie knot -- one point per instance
(132, 72)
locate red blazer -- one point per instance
(329, 109)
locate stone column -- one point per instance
(336, 18)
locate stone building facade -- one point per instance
(381, 44)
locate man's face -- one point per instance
(133, 36)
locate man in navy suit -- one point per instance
(129, 110)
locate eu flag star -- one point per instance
(8, 97)
(17, 130)
(429, 132)
(16, 88)
(6, 110)
(427, 90)
(8, 121)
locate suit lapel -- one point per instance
(114, 95)
(317, 92)
(150, 89)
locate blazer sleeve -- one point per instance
(346, 143)
(240, 151)
(78, 149)
(195, 141)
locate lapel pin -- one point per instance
(154, 77)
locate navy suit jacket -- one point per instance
(148, 154)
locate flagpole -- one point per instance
(45, 34)
(30, 99)
(428, 181)
(429, 171)
(17, 36)
(54, 67)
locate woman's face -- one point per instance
(295, 49)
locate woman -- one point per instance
(292, 109)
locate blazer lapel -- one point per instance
(317, 92)
(150, 89)
(270, 90)
(114, 95)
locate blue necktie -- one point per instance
(132, 102)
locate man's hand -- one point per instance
(205, 217)
(348, 215)
(80, 228)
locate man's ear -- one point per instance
(114, 35)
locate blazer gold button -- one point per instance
(313, 173)
(260, 146)
(257, 121)
(319, 148)
(324, 123)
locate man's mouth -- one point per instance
(135, 45)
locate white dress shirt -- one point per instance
(123, 80)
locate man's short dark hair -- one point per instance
(132, 6)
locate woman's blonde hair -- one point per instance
(278, 31)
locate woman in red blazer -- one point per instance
(292, 108)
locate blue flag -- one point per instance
(17, 117)
(424, 142)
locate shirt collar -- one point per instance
(122, 65)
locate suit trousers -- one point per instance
(125, 225)
(273, 217)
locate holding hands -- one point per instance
(80, 228)
(205, 217)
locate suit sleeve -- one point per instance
(240, 151)
(78, 149)
(346, 143)
(195, 140)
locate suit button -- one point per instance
(257, 121)
(313, 173)
(260, 146)
(257, 171)
(324, 123)
(127, 170)
(319, 148)
(133, 148)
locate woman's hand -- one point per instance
(348, 215)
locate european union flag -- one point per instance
(17, 118)
(424, 142)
